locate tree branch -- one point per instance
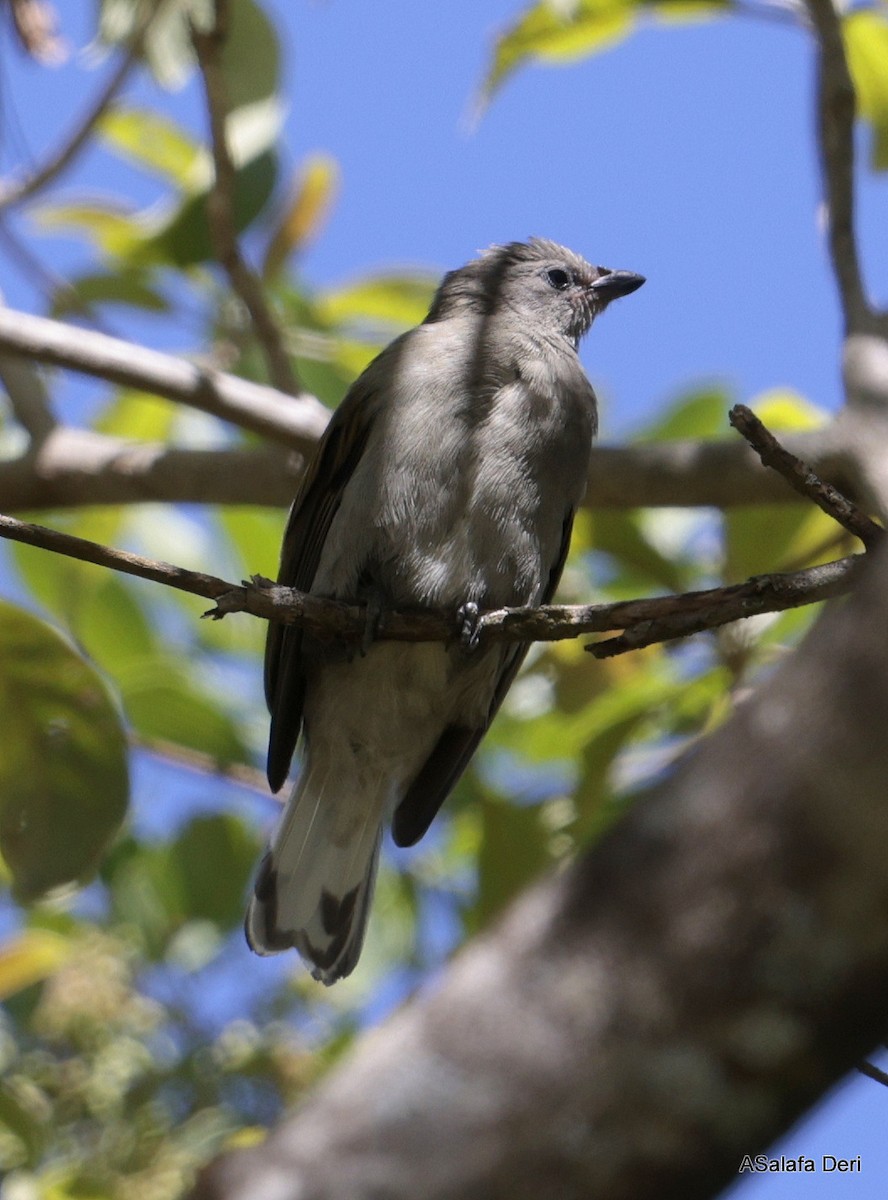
(802, 479)
(296, 422)
(836, 105)
(220, 206)
(75, 467)
(645, 620)
(679, 996)
(14, 193)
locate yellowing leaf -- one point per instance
(30, 958)
(313, 197)
(866, 45)
(782, 408)
(157, 143)
(556, 32)
(393, 299)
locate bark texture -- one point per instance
(675, 1000)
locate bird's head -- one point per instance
(547, 287)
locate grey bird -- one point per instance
(448, 478)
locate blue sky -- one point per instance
(684, 153)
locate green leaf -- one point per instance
(558, 32)
(108, 226)
(699, 414)
(63, 765)
(29, 958)
(313, 195)
(139, 416)
(184, 239)
(250, 56)
(621, 534)
(213, 859)
(164, 704)
(393, 299)
(866, 45)
(130, 287)
(514, 851)
(158, 144)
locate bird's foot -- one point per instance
(468, 618)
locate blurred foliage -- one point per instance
(138, 1035)
(562, 32)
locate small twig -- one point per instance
(873, 1072)
(220, 206)
(12, 193)
(698, 611)
(836, 104)
(803, 479)
(646, 620)
(206, 764)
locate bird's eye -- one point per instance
(558, 279)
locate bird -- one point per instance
(447, 478)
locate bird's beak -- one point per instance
(612, 284)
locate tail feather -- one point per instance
(315, 883)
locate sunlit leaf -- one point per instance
(556, 32)
(394, 299)
(29, 958)
(313, 196)
(699, 414)
(787, 410)
(63, 765)
(138, 415)
(107, 225)
(157, 143)
(866, 44)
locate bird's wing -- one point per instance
(457, 744)
(309, 523)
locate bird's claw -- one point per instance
(468, 618)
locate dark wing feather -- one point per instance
(309, 523)
(456, 745)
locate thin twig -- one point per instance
(220, 206)
(873, 1072)
(699, 611)
(206, 764)
(803, 479)
(836, 104)
(14, 193)
(658, 619)
(262, 410)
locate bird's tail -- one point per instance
(315, 883)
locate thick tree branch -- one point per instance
(296, 422)
(76, 467)
(220, 206)
(674, 1001)
(836, 105)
